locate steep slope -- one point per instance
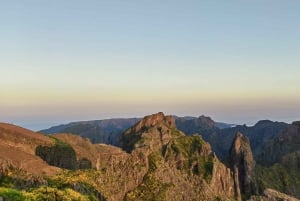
(280, 162)
(17, 150)
(287, 142)
(242, 165)
(179, 167)
(157, 162)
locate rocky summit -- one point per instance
(179, 167)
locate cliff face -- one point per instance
(151, 132)
(179, 167)
(287, 142)
(242, 164)
(280, 166)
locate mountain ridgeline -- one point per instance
(99, 131)
(157, 157)
(219, 135)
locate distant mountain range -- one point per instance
(219, 135)
(107, 131)
(158, 157)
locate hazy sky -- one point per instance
(236, 61)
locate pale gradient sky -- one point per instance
(236, 61)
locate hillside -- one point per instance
(99, 131)
(280, 162)
(17, 150)
(160, 162)
(155, 161)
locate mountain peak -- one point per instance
(152, 131)
(155, 120)
(207, 121)
(263, 122)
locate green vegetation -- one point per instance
(151, 189)
(18, 178)
(191, 156)
(62, 155)
(175, 132)
(66, 186)
(43, 193)
(153, 160)
(11, 194)
(278, 177)
(82, 181)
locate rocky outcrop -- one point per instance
(151, 132)
(90, 155)
(179, 167)
(242, 164)
(158, 162)
(61, 155)
(272, 195)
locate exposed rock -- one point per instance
(152, 131)
(60, 155)
(161, 163)
(179, 167)
(272, 195)
(242, 164)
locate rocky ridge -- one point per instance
(176, 163)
